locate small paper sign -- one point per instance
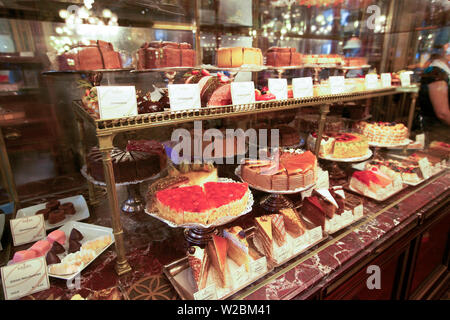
(117, 101)
(28, 229)
(347, 217)
(315, 234)
(24, 278)
(258, 267)
(184, 97)
(420, 138)
(386, 80)
(337, 85)
(405, 78)
(302, 87)
(279, 88)
(208, 293)
(358, 211)
(243, 92)
(240, 277)
(299, 243)
(425, 167)
(371, 81)
(282, 253)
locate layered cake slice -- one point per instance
(313, 211)
(327, 201)
(278, 229)
(217, 251)
(371, 183)
(339, 195)
(238, 249)
(264, 234)
(199, 263)
(292, 222)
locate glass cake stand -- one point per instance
(134, 203)
(198, 234)
(377, 146)
(275, 200)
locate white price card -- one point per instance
(425, 167)
(299, 243)
(279, 88)
(208, 293)
(24, 278)
(258, 267)
(117, 101)
(420, 138)
(358, 211)
(371, 81)
(302, 87)
(184, 97)
(315, 234)
(243, 92)
(405, 78)
(282, 253)
(27, 229)
(386, 80)
(337, 85)
(240, 277)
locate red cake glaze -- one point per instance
(222, 193)
(186, 199)
(366, 177)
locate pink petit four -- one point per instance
(58, 236)
(41, 247)
(24, 255)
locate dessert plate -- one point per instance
(81, 208)
(237, 172)
(381, 145)
(219, 222)
(89, 232)
(356, 159)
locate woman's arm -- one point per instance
(439, 98)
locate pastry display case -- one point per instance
(247, 149)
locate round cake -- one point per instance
(340, 145)
(128, 166)
(310, 123)
(384, 133)
(288, 136)
(292, 172)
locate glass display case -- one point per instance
(337, 82)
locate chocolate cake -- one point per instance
(283, 57)
(313, 211)
(45, 212)
(75, 235)
(52, 258)
(128, 165)
(52, 204)
(68, 208)
(74, 246)
(162, 54)
(93, 55)
(57, 248)
(56, 216)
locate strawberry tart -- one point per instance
(374, 184)
(202, 204)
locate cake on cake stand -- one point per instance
(334, 166)
(275, 200)
(198, 234)
(378, 146)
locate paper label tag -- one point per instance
(347, 217)
(208, 293)
(184, 97)
(117, 101)
(243, 92)
(279, 88)
(337, 85)
(425, 167)
(420, 138)
(386, 80)
(240, 277)
(358, 211)
(405, 78)
(28, 229)
(258, 267)
(282, 253)
(302, 87)
(315, 234)
(299, 243)
(371, 81)
(24, 278)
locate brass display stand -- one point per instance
(106, 130)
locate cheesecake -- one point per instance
(238, 249)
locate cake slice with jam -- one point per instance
(199, 263)
(217, 251)
(238, 249)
